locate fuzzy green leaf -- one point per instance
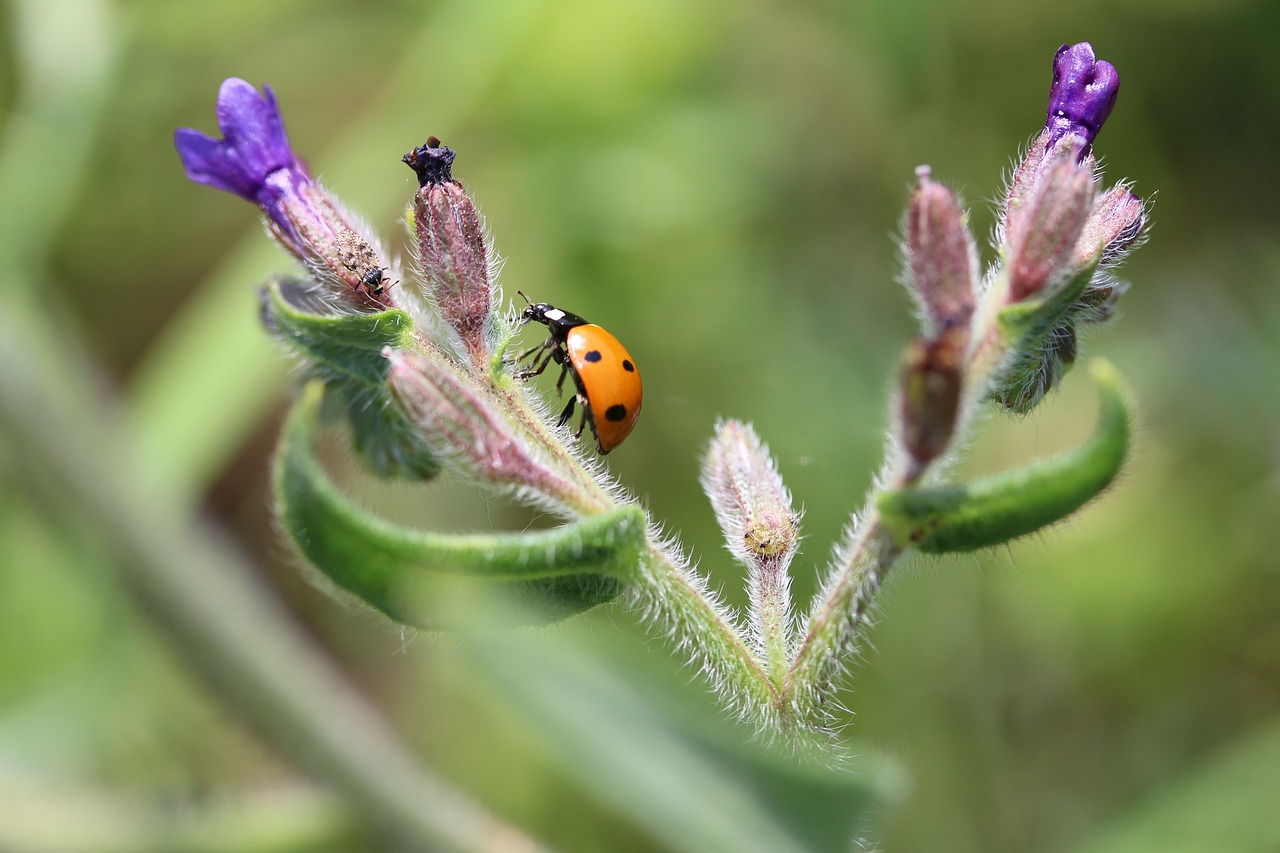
(346, 351)
(431, 580)
(998, 509)
(347, 345)
(1043, 337)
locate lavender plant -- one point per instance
(420, 371)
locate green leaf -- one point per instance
(346, 351)
(432, 580)
(1001, 508)
(1042, 333)
(642, 741)
(338, 345)
(383, 438)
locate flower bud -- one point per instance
(452, 249)
(929, 400)
(1083, 93)
(1042, 231)
(461, 422)
(255, 161)
(941, 255)
(761, 528)
(750, 501)
(1115, 225)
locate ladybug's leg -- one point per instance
(539, 362)
(586, 411)
(530, 351)
(568, 413)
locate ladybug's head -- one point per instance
(538, 313)
(557, 319)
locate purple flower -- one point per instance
(1084, 91)
(253, 159)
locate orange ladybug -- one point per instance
(609, 388)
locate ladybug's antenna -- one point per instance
(525, 298)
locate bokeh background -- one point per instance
(719, 183)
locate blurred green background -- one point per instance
(719, 183)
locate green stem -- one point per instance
(870, 554)
(773, 629)
(677, 596)
(224, 622)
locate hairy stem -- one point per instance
(675, 595)
(868, 555)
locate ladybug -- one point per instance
(608, 383)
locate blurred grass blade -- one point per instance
(998, 509)
(646, 745)
(435, 580)
(65, 61)
(1226, 805)
(266, 821)
(215, 613)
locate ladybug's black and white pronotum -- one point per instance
(608, 384)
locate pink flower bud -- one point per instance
(941, 255)
(1115, 225)
(761, 530)
(460, 421)
(750, 500)
(1043, 229)
(452, 249)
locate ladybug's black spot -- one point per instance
(615, 413)
(593, 356)
(628, 366)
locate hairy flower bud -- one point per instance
(452, 249)
(1080, 99)
(929, 396)
(1042, 231)
(462, 423)
(1115, 225)
(761, 528)
(255, 161)
(941, 255)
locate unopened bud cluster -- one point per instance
(441, 380)
(1058, 239)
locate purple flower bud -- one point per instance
(941, 255)
(253, 159)
(1084, 91)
